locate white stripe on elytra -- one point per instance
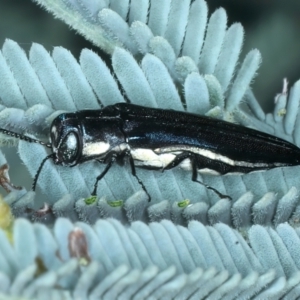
(146, 157)
(215, 156)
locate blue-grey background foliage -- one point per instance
(159, 259)
(272, 28)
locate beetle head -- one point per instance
(66, 139)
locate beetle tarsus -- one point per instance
(222, 196)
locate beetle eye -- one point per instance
(69, 148)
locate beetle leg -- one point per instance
(133, 172)
(193, 158)
(108, 166)
(195, 175)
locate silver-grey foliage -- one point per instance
(165, 54)
(109, 260)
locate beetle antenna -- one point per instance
(24, 137)
(40, 169)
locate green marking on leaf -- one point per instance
(90, 200)
(183, 203)
(116, 203)
(281, 112)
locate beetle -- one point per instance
(159, 139)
